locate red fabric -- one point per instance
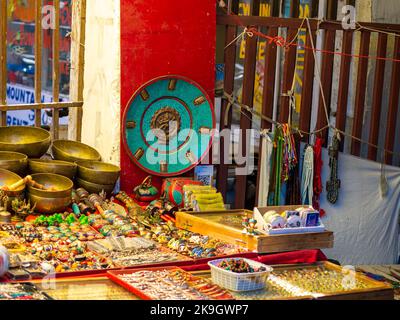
(295, 257)
(318, 163)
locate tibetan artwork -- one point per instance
(168, 126)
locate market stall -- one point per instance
(62, 218)
(157, 226)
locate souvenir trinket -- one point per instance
(22, 210)
(5, 216)
(146, 192)
(173, 189)
(333, 185)
(250, 226)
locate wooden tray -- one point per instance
(209, 223)
(114, 276)
(379, 290)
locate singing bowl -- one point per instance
(34, 142)
(8, 178)
(94, 187)
(50, 205)
(62, 168)
(98, 172)
(72, 151)
(13, 161)
(49, 202)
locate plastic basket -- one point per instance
(239, 281)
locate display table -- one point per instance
(102, 288)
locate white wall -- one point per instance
(101, 116)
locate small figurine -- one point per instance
(249, 226)
(146, 192)
(5, 216)
(22, 210)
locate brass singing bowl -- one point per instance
(94, 187)
(63, 168)
(8, 178)
(13, 161)
(49, 201)
(34, 142)
(98, 172)
(50, 205)
(72, 151)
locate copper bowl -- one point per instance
(63, 168)
(34, 142)
(67, 150)
(94, 187)
(47, 201)
(13, 161)
(98, 172)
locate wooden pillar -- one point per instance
(77, 66)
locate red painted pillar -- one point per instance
(160, 37)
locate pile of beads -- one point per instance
(58, 219)
(238, 266)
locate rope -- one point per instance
(280, 41)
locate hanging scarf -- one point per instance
(318, 163)
(293, 196)
(276, 172)
(307, 176)
(265, 168)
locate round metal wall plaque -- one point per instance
(168, 126)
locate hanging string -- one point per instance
(282, 42)
(246, 31)
(234, 102)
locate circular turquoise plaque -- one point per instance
(168, 126)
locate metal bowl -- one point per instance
(63, 168)
(72, 151)
(50, 205)
(34, 142)
(13, 161)
(94, 187)
(98, 172)
(62, 185)
(7, 178)
(50, 202)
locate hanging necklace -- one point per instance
(333, 185)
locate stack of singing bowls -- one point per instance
(63, 168)
(96, 176)
(17, 144)
(14, 161)
(92, 174)
(72, 151)
(8, 178)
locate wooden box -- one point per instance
(226, 225)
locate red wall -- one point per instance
(160, 37)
